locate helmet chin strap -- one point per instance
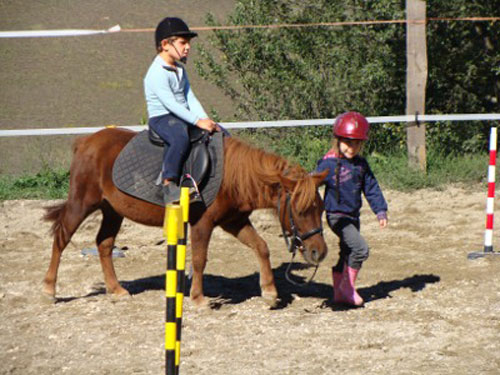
(181, 59)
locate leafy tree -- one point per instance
(464, 72)
(319, 72)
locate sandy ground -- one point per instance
(429, 309)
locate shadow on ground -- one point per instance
(225, 290)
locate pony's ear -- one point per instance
(287, 183)
(319, 178)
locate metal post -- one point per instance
(181, 271)
(173, 217)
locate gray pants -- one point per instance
(353, 247)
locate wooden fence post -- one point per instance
(416, 80)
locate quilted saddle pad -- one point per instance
(138, 166)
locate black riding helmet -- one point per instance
(172, 26)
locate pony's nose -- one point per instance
(317, 256)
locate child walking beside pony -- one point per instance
(349, 177)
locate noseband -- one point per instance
(295, 240)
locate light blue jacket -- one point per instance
(167, 90)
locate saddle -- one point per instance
(137, 169)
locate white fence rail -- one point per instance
(267, 124)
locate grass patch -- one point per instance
(46, 184)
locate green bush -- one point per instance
(319, 72)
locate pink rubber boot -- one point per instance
(348, 293)
(337, 280)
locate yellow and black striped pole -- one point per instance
(181, 271)
(172, 224)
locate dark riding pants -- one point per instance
(353, 247)
(173, 131)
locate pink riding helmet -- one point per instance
(352, 125)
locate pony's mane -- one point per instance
(304, 194)
(252, 175)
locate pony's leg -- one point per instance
(246, 233)
(200, 238)
(67, 217)
(110, 226)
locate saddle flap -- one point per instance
(198, 162)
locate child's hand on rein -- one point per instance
(383, 223)
(207, 124)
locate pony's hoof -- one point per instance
(120, 293)
(271, 299)
(200, 302)
(49, 289)
(47, 298)
(48, 292)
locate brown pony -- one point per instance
(252, 179)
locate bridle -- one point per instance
(295, 240)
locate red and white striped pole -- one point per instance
(490, 202)
(488, 235)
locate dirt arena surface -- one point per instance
(429, 309)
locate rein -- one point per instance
(296, 240)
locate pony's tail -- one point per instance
(55, 214)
